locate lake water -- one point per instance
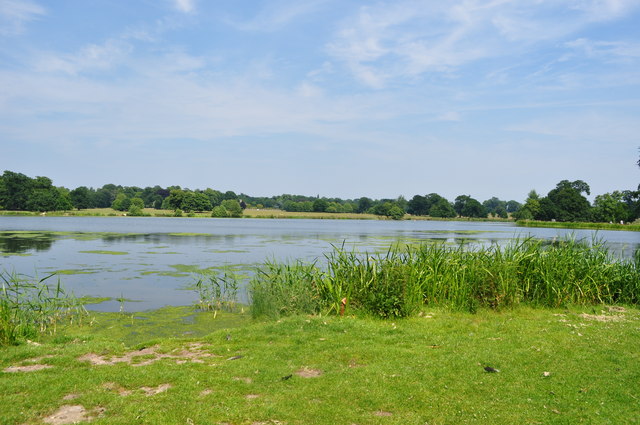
(153, 260)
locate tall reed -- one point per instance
(31, 306)
(401, 281)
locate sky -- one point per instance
(336, 98)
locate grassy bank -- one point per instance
(552, 366)
(634, 227)
(400, 282)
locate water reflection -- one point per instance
(15, 244)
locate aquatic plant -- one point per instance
(217, 290)
(31, 306)
(400, 282)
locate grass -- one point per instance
(400, 282)
(556, 366)
(633, 227)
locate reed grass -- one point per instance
(32, 306)
(400, 282)
(217, 290)
(629, 227)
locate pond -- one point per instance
(152, 261)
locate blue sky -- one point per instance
(323, 97)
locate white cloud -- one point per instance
(185, 6)
(89, 58)
(14, 14)
(605, 49)
(408, 38)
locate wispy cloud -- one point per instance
(185, 6)
(408, 38)
(277, 14)
(14, 14)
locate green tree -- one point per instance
(610, 207)
(418, 205)
(364, 204)
(466, 206)
(121, 203)
(15, 191)
(566, 203)
(531, 207)
(232, 206)
(82, 197)
(442, 208)
(320, 205)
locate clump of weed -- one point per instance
(217, 290)
(463, 278)
(31, 306)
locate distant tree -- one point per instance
(82, 197)
(513, 206)
(494, 204)
(121, 203)
(442, 208)
(610, 207)
(232, 206)
(467, 206)
(418, 205)
(320, 205)
(364, 204)
(566, 203)
(531, 207)
(229, 195)
(15, 191)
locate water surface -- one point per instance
(153, 260)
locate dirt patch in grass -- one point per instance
(382, 413)
(252, 396)
(72, 415)
(602, 317)
(306, 372)
(194, 353)
(149, 391)
(27, 368)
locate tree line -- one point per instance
(566, 202)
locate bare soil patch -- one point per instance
(27, 368)
(306, 372)
(194, 353)
(382, 413)
(602, 317)
(68, 414)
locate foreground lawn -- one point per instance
(555, 366)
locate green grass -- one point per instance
(427, 369)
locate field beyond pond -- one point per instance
(522, 366)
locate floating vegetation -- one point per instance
(104, 252)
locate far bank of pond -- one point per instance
(152, 260)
